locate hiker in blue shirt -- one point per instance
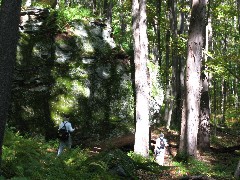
(67, 141)
(160, 149)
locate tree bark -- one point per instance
(183, 135)
(123, 24)
(236, 91)
(215, 105)
(175, 58)
(107, 10)
(237, 171)
(9, 21)
(169, 89)
(204, 124)
(158, 10)
(238, 10)
(237, 66)
(224, 96)
(182, 144)
(183, 139)
(141, 145)
(168, 86)
(193, 70)
(94, 6)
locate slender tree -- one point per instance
(168, 104)
(237, 171)
(174, 79)
(158, 10)
(182, 110)
(237, 66)
(223, 102)
(204, 123)
(192, 77)
(9, 21)
(141, 145)
(107, 10)
(238, 10)
(167, 113)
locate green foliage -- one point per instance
(115, 161)
(28, 158)
(25, 158)
(197, 167)
(33, 158)
(191, 166)
(63, 17)
(137, 157)
(217, 166)
(147, 164)
(122, 30)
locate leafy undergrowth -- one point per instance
(33, 158)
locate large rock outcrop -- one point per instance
(78, 70)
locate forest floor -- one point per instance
(220, 161)
(225, 146)
(223, 154)
(117, 160)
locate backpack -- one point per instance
(63, 134)
(162, 144)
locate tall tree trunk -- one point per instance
(141, 145)
(183, 139)
(238, 10)
(94, 6)
(107, 10)
(9, 21)
(181, 101)
(237, 104)
(168, 86)
(122, 20)
(183, 135)
(224, 96)
(237, 171)
(193, 70)
(167, 97)
(204, 122)
(236, 91)
(178, 67)
(215, 105)
(158, 9)
(175, 59)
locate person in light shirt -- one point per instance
(160, 149)
(68, 142)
